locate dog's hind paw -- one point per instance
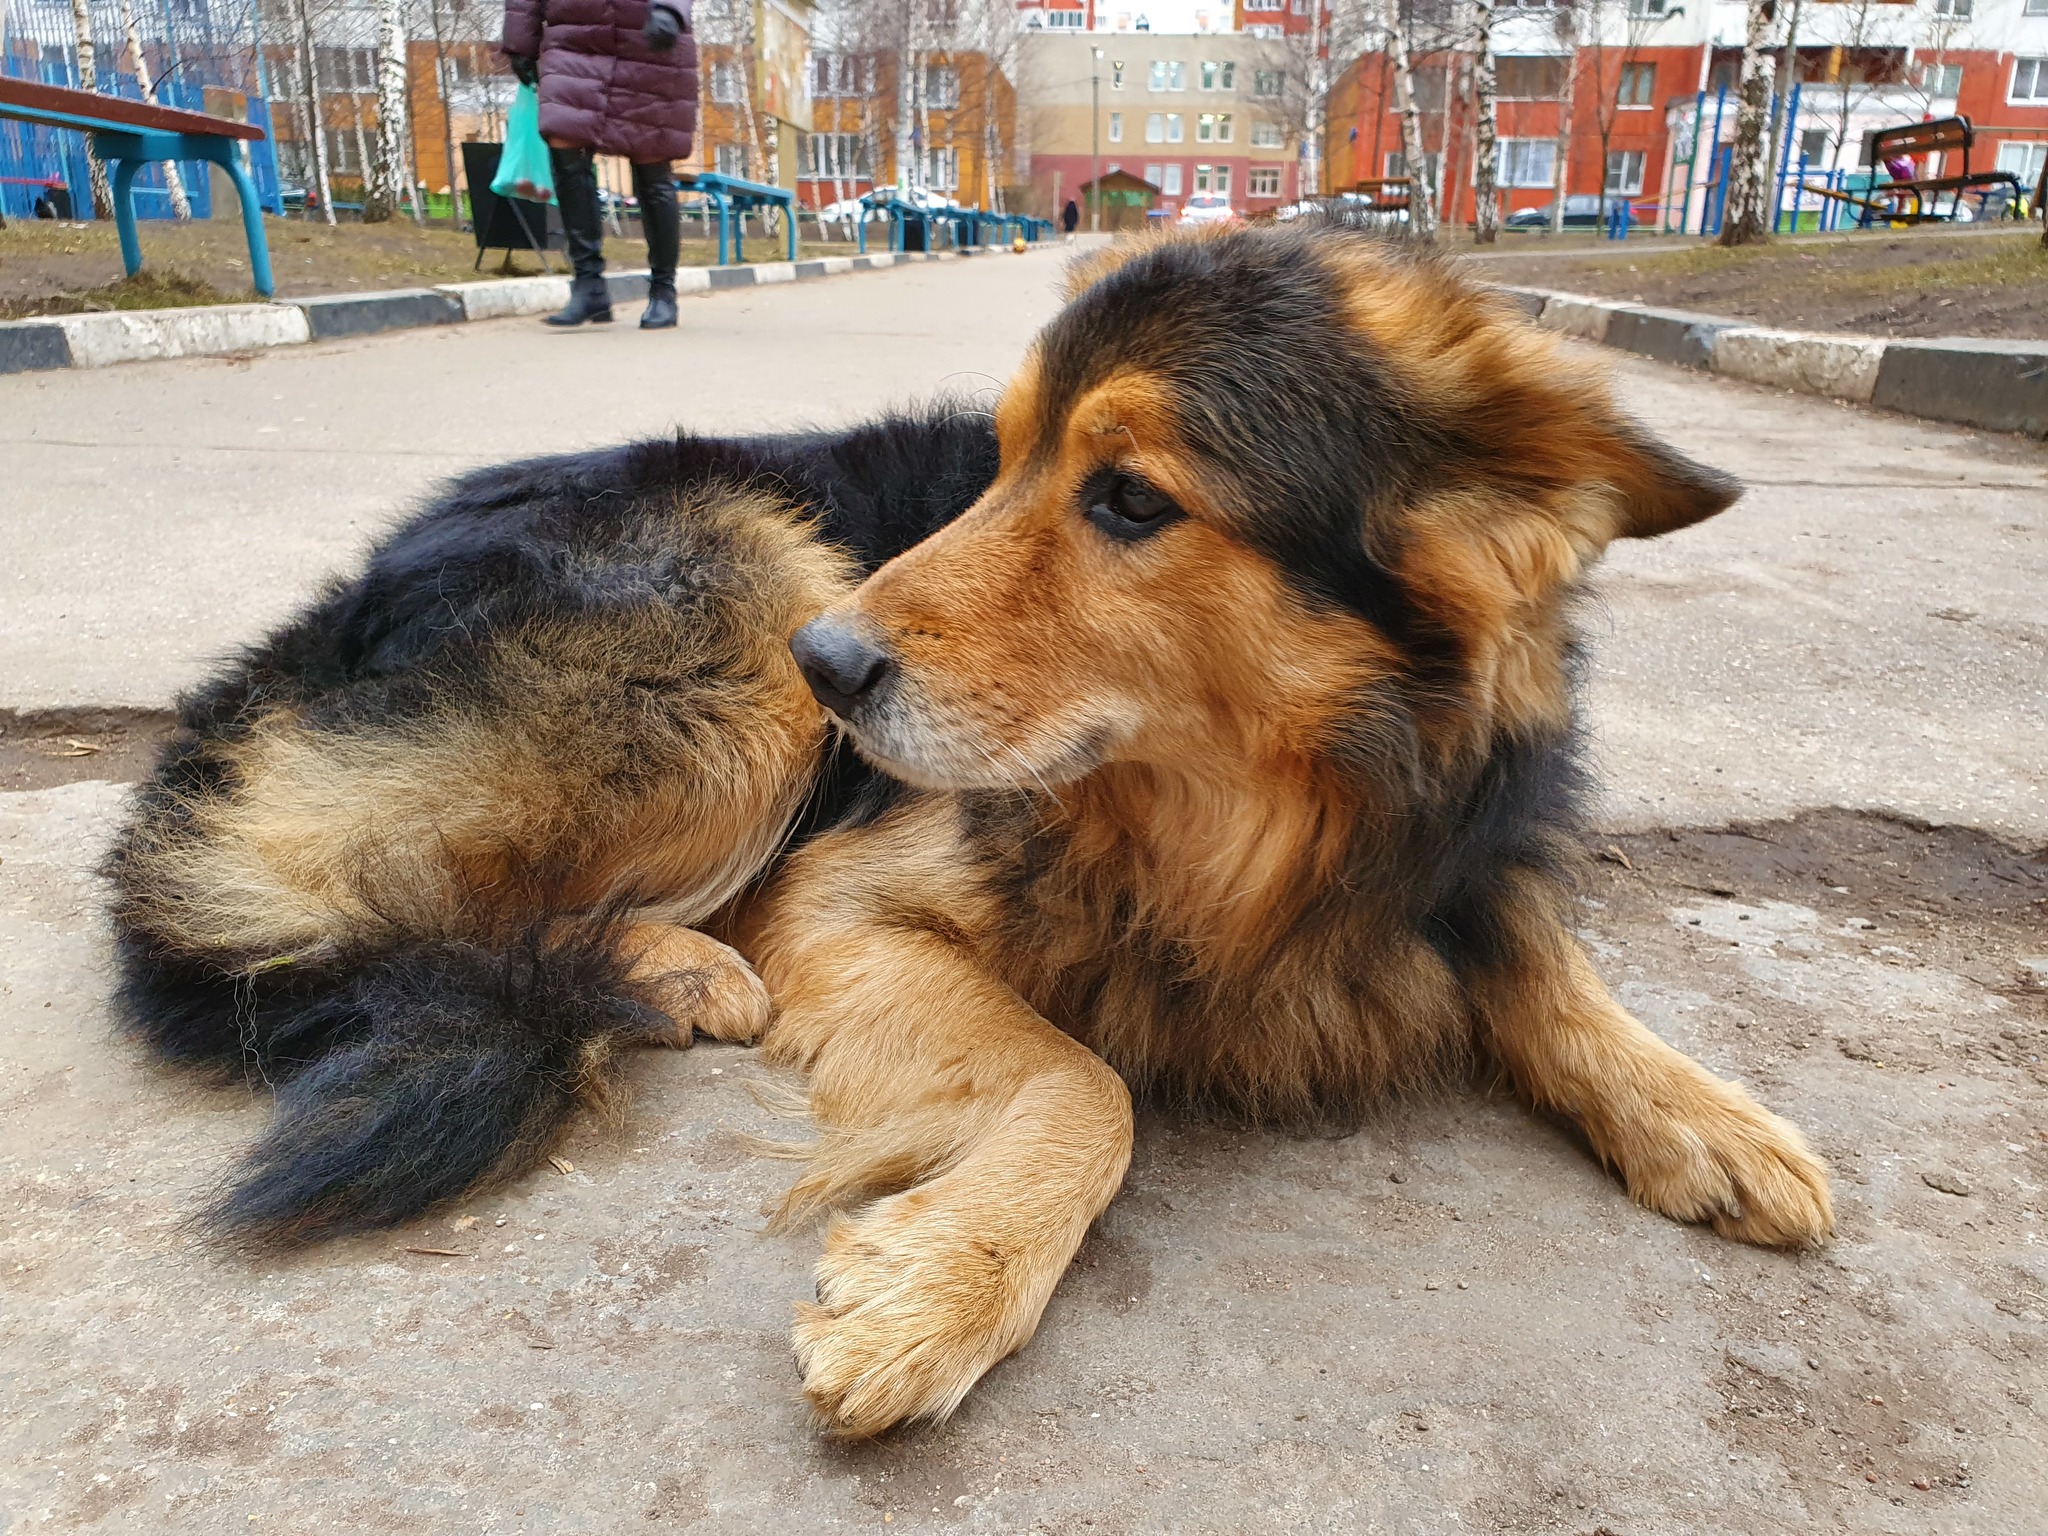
(706, 987)
(1725, 1159)
(909, 1316)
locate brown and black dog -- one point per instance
(1225, 734)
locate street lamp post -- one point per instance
(1095, 145)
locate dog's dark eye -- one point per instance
(1127, 508)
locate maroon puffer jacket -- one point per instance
(601, 86)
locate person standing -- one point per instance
(616, 77)
(1070, 217)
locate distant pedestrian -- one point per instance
(1070, 217)
(616, 77)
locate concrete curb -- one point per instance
(2001, 386)
(140, 335)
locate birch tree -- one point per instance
(1421, 190)
(384, 176)
(1485, 123)
(174, 183)
(89, 80)
(309, 85)
(1567, 26)
(1745, 217)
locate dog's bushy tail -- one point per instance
(404, 1077)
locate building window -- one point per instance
(1958, 9)
(1262, 5)
(1527, 162)
(1268, 136)
(1157, 80)
(1155, 128)
(1813, 147)
(1116, 127)
(1152, 174)
(2024, 160)
(1169, 75)
(1264, 181)
(1397, 163)
(2037, 7)
(731, 160)
(1638, 85)
(1116, 77)
(1077, 20)
(1538, 77)
(1941, 81)
(1647, 7)
(1268, 82)
(1213, 178)
(833, 74)
(1219, 76)
(942, 88)
(1173, 129)
(1169, 181)
(1625, 171)
(1214, 128)
(942, 169)
(2030, 80)
(725, 85)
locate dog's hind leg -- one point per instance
(1687, 1143)
(704, 986)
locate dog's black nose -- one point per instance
(840, 663)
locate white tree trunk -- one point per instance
(1485, 134)
(1746, 217)
(89, 80)
(1421, 189)
(384, 176)
(309, 84)
(1568, 30)
(181, 205)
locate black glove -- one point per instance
(526, 68)
(663, 27)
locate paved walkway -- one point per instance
(1451, 1322)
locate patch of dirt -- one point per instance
(145, 290)
(46, 265)
(43, 749)
(1896, 972)
(1992, 282)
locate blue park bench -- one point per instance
(129, 135)
(733, 199)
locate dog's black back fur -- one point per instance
(370, 1049)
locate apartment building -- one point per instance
(1206, 16)
(1185, 112)
(1652, 89)
(958, 137)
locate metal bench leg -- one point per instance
(252, 223)
(789, 213)
(124, 214)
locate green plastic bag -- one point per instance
(524, 170)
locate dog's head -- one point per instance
(1253, 482)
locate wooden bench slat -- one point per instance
(32, 95)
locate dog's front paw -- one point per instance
(1726, 1159)
(910, 1314)
(705, 986)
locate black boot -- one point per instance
(576, 195)
(589, 299)
(662, 223)
(660, 313)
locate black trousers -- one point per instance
(583, 223)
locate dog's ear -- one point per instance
(1660, 489)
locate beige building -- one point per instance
(1186, 112)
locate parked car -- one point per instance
(1582, 210)
(1208, 208)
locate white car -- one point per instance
(1207, 208)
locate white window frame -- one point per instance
(1155, 127)
(1269, 82)
(1636, 67)
(1169, 182)
(1175, 129)
(1267, 135)
(1637, 160)
(2036, 70)
(1520, 160)
(2026, 164)
(1263, 181)
(1116, 127)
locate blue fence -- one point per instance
(32, 156)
